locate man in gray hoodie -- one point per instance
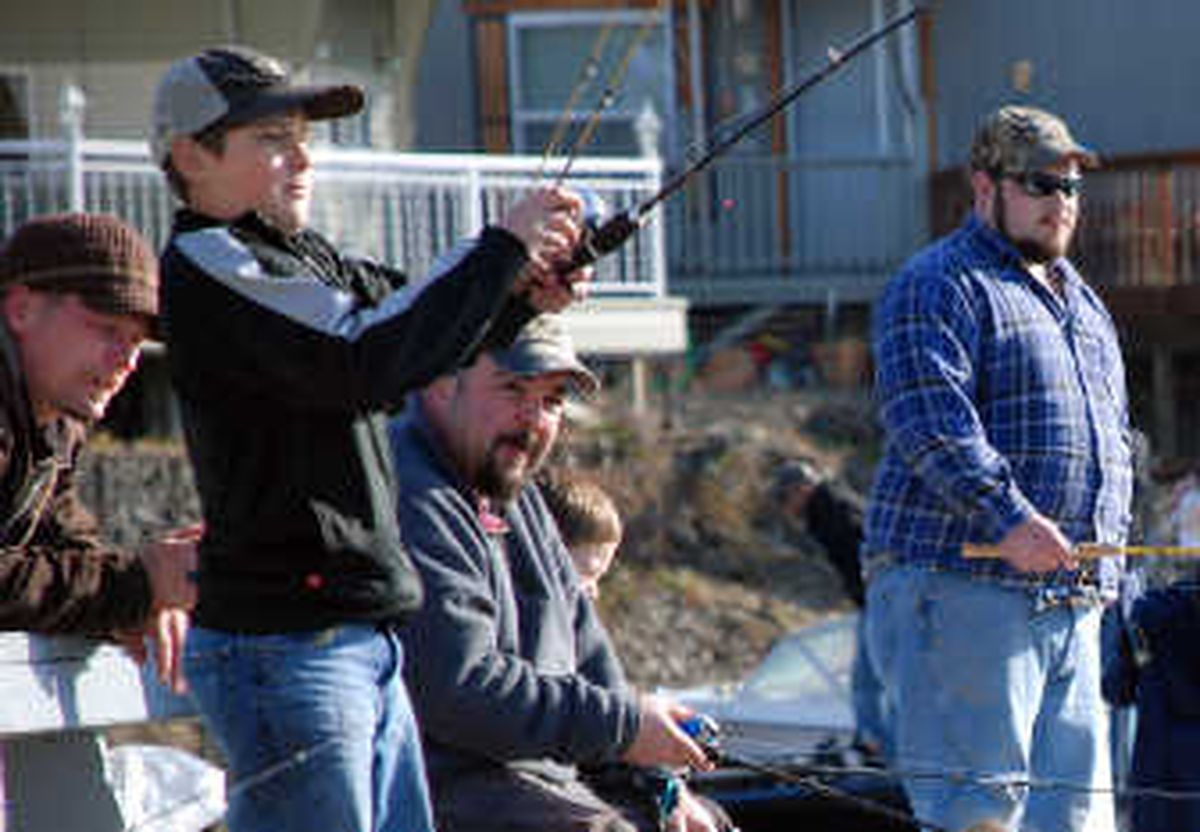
(513, 677)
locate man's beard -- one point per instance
(1031, 251)
(504, 483)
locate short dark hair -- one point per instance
(212, 139)
(582, 509)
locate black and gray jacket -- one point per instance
(286, 357)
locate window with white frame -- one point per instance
(586, 77)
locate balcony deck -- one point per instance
(402, 208)
(776, 230)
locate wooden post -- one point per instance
(638, 381)
(1165, 227)
(491, 73)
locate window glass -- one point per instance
(575, 59)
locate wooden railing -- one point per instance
(1140, 223)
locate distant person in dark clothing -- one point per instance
(1159, 669)
(832, 513)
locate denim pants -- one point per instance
(316, 727)
(871, 724)
(991, 689)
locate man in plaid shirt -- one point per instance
(1002, 396)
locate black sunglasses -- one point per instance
(1038, 184)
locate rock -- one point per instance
(707, 577)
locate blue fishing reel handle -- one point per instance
(705, 731)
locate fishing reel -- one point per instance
(705, 731)
(600, 235)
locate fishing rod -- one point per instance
(811, 781)
(608, 95)
(707, 734)
(587, 74)
(1090, 551)
(613, 233)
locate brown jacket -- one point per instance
(55, 574)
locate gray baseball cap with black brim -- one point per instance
(544, 346)
(233, 85)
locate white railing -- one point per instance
(768, 229)
(402, 208)
(776, 229)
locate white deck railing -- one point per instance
(403, 208)
(747, 230)
(773, 229)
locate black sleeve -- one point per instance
(233, 328)
(835, 519)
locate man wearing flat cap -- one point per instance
(79, 294)
(513, 677)
(1007, 442)
(286, 354)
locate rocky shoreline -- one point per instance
(709, 574)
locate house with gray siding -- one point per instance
(798, 227)
(793, 232)
(76, 83)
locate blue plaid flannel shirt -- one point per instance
(997, 398)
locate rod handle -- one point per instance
(980, 551)
(1085, 551)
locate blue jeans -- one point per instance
(1000, 686)
(870, 707)
(316, 727)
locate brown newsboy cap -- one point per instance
(99, 257)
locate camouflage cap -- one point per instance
(544, 346)
(1022, 139)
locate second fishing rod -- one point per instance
(612, 233)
